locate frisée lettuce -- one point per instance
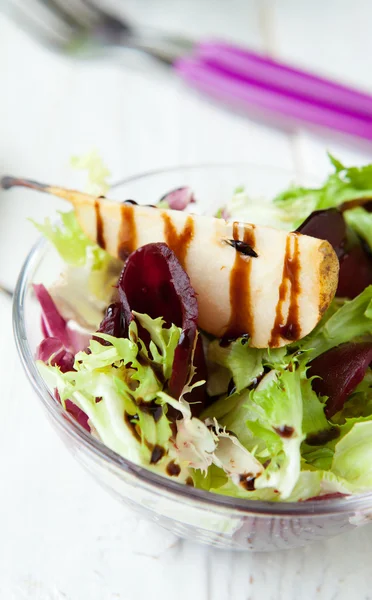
(287, 424)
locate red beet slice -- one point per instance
(326, 225)
(153, 282)
(340, 370)
(355, 262)
(113, 323)
(355, 273)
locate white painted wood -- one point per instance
(61, 536)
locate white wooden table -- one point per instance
(61, 536)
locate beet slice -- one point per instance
(355, 272)
(339, 371)
(113, 323)
(326, 225)
(153, 282)
(355, 261)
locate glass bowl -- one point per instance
(187, 512)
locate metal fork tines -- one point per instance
(84, 28)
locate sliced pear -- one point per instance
(267, 283)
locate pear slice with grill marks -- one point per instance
(272, 285)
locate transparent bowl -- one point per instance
(187, 512)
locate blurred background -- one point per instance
(141, 114)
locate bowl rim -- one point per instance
(142, 475)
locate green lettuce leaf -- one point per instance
(276, 408)
(361, 221)
(201, 444)
(245, 364)
(317, 457)
(351, 321)
(313, 419)
(352, 458)
(268, 422)
(245, 208)
(121, 387)
(127, 389)
(71, 243)
(322, 456)
(162, 345)
(315, 483)
(229, 488)
(360, 402)
(272, 422)
(346, 183)
(86, 284)
(97, 172)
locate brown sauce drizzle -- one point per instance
(247, 481)
(190, 481)
(100, 234)
(290, 329)
(127, 241)
(285, 431)
(364, 202)
(240, 293)
(151, 408)
(156, 454)
(322, 437)
(132, 425)
(178, 242)
(242, 247)
(172, 469)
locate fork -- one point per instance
(81, 27)
(238, 77)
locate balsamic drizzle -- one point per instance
(242, 247)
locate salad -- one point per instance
(242, 368)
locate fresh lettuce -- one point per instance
(265, 436)
(97, 172)
(292, 206)
(361, 222)
(245, 364)
(117, 388)
(273, 422)
(312, 484)
(346, 459)
(313, 418)
(351, 321)
(243, 207)
(268, 422)
(73, 246)
(90, 274)
(120, 384)
(360, 402)
(71, 243)
(352, 458)
(343, 185)
(86, 285)
(87, 282)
